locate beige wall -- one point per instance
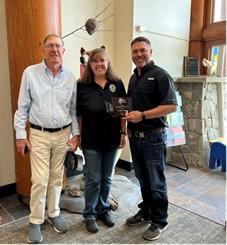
(74, 15)
(7, 170)
(123, 37)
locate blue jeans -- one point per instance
(149, 160)
(99, 167)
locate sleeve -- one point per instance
(166, 89)
(129, 92)
(74, 126)
(24, 104)
(122, 88)
(78, 102)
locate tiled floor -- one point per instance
(200, 191)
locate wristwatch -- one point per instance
(143, 115)
(123, 132)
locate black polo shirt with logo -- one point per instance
(99, 129)
(152, 88)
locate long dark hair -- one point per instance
(88, 75)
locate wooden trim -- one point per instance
(208, 16)
(203, 32)
(197, 20)
(28, 22)
(215, 31)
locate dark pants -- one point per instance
(149, 160)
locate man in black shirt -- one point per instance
(153, 97)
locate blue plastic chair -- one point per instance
(218, 156)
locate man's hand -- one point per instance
(21, 144)
(133, 116)
(74, 142)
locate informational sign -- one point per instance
(175, 131)
(191, 66)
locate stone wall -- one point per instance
(201, 121)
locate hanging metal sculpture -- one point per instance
(92, 24)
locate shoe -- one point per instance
(92, 226)
(59, 224)
(34, 233)
(153, 232)
(137, 219)
(107, 219)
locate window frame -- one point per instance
(214, 33)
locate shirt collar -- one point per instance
(93, 83)
(47, 69)
(145, 68)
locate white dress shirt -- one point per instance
(46, 100)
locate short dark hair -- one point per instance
(141, 39)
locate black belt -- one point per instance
(142, 134)
(51, 130)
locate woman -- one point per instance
(102, 135)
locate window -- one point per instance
(218, 59)
(214, 35)
(219, 10)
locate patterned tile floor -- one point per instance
(198, 190)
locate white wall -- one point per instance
(167, 25)
(7, 169)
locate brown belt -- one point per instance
(51, 130)
(142, 134)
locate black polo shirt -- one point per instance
(99, 129)
(152, 88)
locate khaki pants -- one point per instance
(47, 158)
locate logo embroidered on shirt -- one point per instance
(112, 88)
(150, 78)
(120, 101)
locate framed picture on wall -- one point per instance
(191, 66)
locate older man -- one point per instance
(47, 99)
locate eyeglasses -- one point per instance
(52, 46)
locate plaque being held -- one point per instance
(120, 106)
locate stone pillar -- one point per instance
(201, 117)
(28, 22)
